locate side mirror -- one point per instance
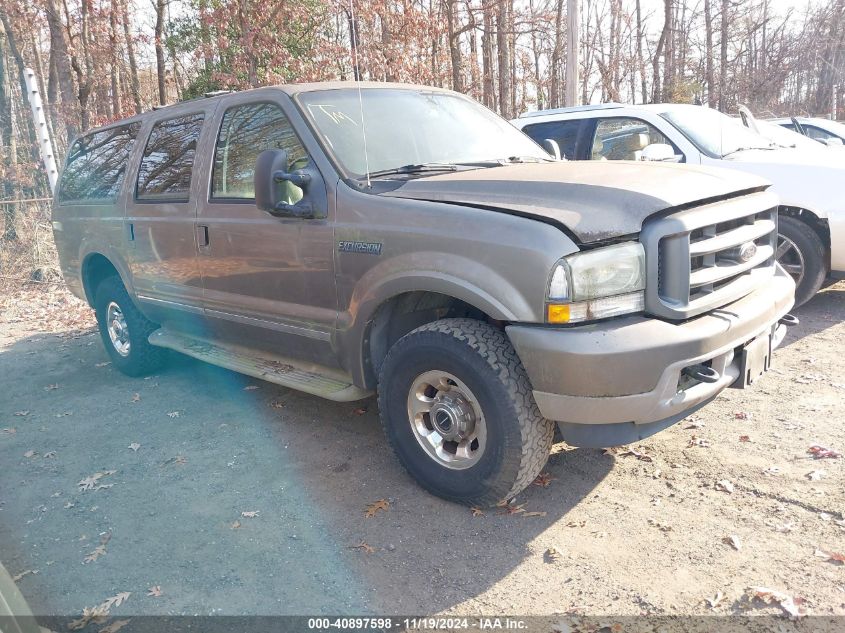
(271, 172)
(833, 141)
(660, 152)
(551, 146)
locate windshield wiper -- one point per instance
(414, 169)
(743, 149)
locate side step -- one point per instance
(316, 380)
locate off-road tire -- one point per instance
(519, 438)
(142, 358)
(812, 250)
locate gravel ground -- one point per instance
(234, 496)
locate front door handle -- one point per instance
(202, 235)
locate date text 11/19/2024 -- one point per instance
(416, 624)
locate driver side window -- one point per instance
(622, 138)
(245, 132)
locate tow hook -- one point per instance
(789, 320)
(702, 373)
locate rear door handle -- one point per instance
(202, 235)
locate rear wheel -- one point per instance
(125, 330)
(457, 408)
(801, 253)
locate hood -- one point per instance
(593, 200)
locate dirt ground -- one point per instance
(233, 496)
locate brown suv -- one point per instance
(344, 238)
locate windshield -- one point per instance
(411, 127)
(714, 133)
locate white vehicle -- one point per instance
(811, 230)
(822, 130)
(785, 136)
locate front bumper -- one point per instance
(626, 372)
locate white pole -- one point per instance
(41, 129)
(572, 28)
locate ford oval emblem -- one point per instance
(747, 251)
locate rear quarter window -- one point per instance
(168, 163)
(96, 165)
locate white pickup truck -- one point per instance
(811, 242)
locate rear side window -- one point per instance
(168, 162)
(245, 132)
(96, 165)
(564, 133)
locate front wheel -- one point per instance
(458, 410)
(801, 253)
(125, 330)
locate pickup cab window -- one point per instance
(96, 165)
(245, 132)
(167, 166)
(622, 138)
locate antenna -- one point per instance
(353, 32)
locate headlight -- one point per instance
(597, 284)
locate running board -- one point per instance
(276, 369)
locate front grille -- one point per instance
(703, 258)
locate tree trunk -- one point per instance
(114, 44)
(504, 63)
(555, 75)
(159, 48)
(130, 53)
(709, 78)
(8, 162)
(454, 45)
(723, 56)
(488, 72)
(668, 50)
(640, 59)
(61, 57)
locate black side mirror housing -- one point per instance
(271, 170)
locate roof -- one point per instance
(581, 108)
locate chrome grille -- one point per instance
(708, 256)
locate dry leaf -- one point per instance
(134, 446)
(250, 514)
(741, 415)
(51, 387)
(30, 454)
(820, 452)
(136, 397)
(476, 512)
(793, 606)
(637, 454)
(235, 525)
(744, 438)
(360, 411)
(25, 572)
(49, 454)
(733, 541)
(694, 425)
(277, 404)
(69, 505)
(90, 483)
(815, 475)
(698, 441)
(373, 508)
(102, 364)
(552, 554)
(173, 414)
(543, 480)
(100, 550)
(715, 600)
(10, 430)
(725, 486)
(250, 387)
(21, 413)
(534, 514)
(154, 591)
(362, 545)
(180, 460)
(93, 614)
(114, 627)
(576, 524)
(510, 508)
(116, 600)
(833, 557)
